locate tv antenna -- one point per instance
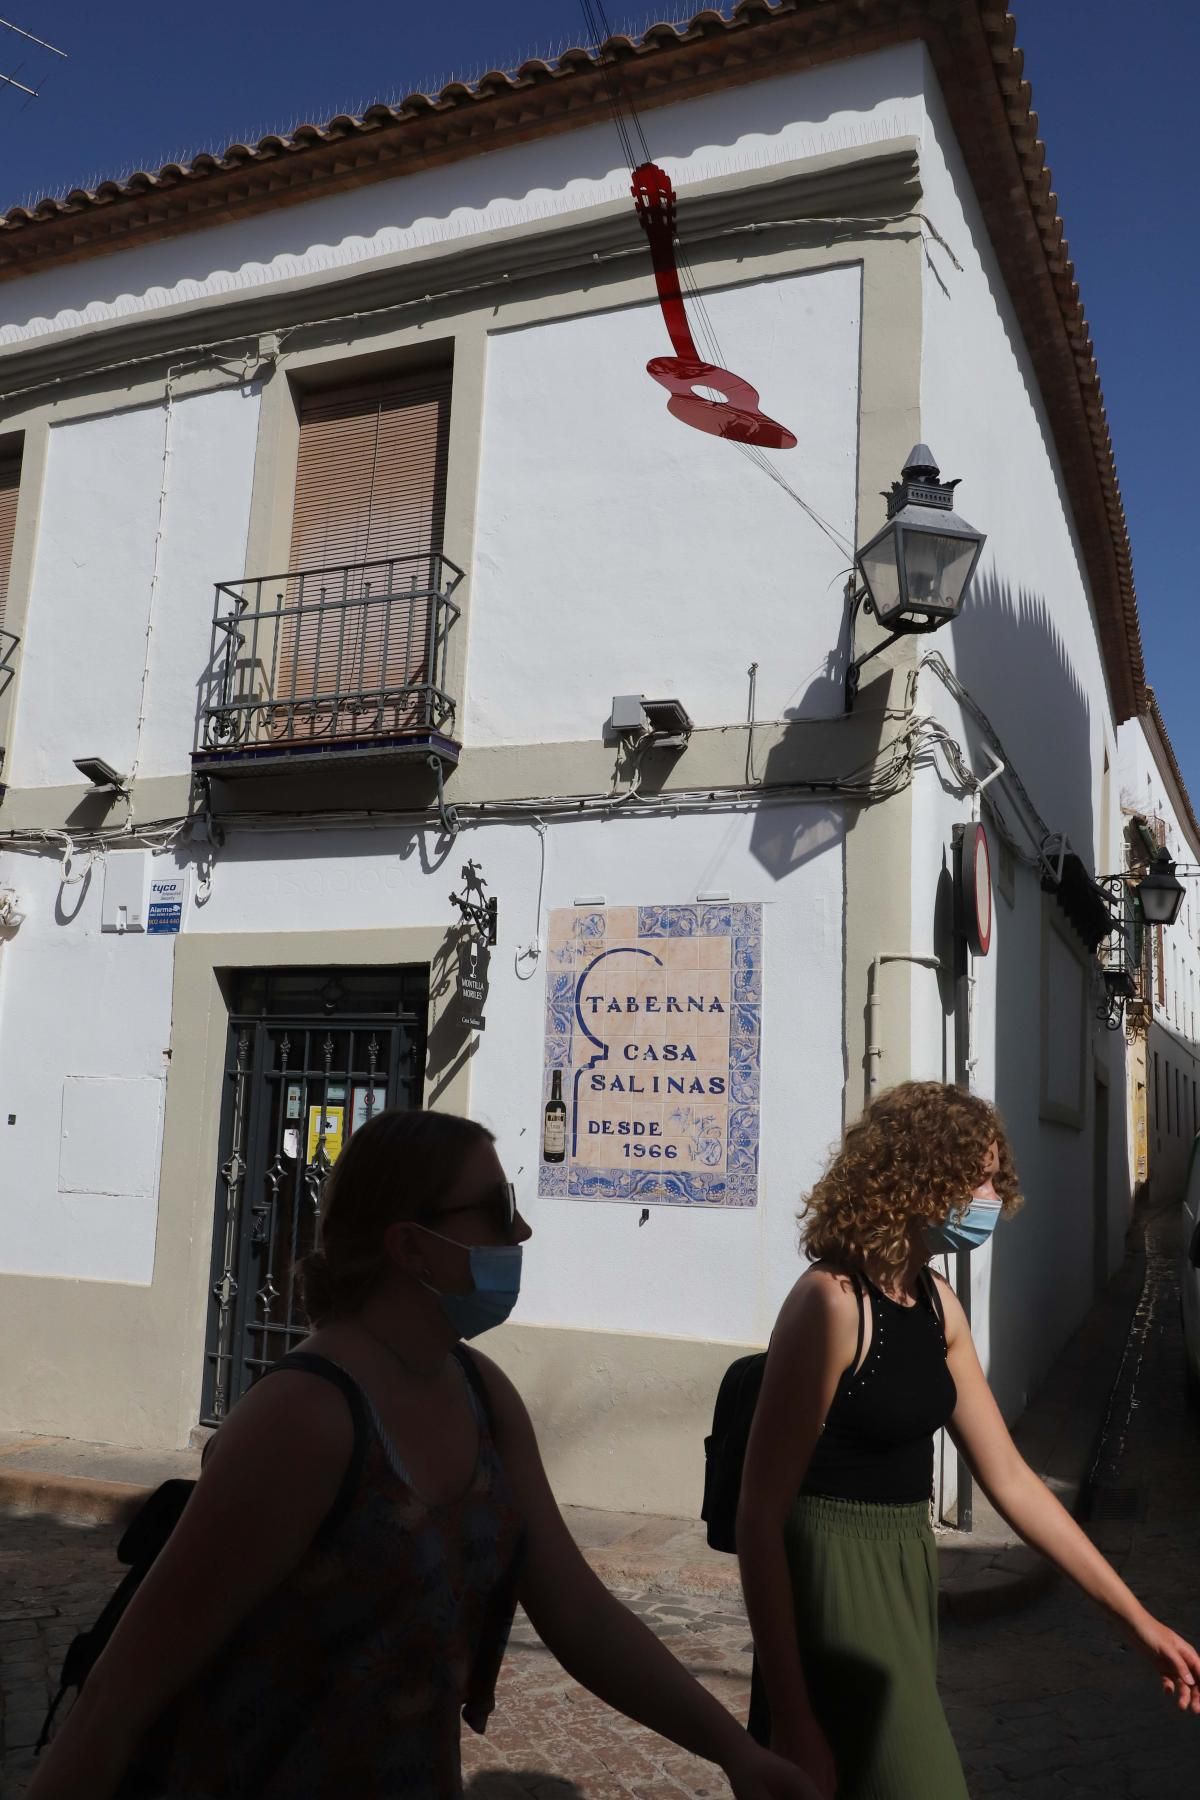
(11, 80)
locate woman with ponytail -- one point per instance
(338, 1592)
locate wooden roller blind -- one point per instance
(370, 487)
(10, 481)
(371, 472)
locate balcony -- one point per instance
(321, 664)
(9, 644)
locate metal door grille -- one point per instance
(311, 1055)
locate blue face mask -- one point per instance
(496, 1272)
(964, 1231)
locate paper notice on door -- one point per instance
(325, 1130)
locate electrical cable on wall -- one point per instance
(531, 953)
(155, 576)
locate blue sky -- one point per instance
(1113, 86)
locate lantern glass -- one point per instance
(937, 568)
(880, 571)
(1160, 892)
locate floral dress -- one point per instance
(351, 1677)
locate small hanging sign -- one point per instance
(472, 984)
(165, 913)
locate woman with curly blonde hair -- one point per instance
(871, 1355)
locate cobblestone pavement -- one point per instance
(1045, 1705)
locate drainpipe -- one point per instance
(874, 1047)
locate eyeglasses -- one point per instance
(500, 1201)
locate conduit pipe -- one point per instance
(874, 1047)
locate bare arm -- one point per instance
(813, 1344)
(978, 1429)
(280, 1455)
(599, 1641)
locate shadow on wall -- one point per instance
(1011, 657)
(777, 842)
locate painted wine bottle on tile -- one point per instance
(554, 1128)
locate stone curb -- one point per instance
(71, 1499)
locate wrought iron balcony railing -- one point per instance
(9, 643)
(341, 659)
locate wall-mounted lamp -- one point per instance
(1156, 899)
(1160, 891)
(101, 774)
(915, 571)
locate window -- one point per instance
(370, 508)
(10, 481)
(371, 471)
(1195, 1127)
(1179, 1102)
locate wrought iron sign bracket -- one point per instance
(479, 913)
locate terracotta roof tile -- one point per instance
(981, 70)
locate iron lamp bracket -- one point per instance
(860, 601)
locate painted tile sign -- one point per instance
(651, 1075)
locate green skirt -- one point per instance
(864, 1577)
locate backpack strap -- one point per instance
(929, 1281)
(149, 1530)
(466, 1361)
(307, 1363)
(862, 1321)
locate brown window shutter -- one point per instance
(368, 521)
(10, 482)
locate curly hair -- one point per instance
(914, 1157)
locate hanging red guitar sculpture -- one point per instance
(738, 415)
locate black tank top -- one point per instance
(878, 1438)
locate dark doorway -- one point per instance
(311, 1054)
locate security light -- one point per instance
(101, 774)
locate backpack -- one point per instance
(157, 1518)
(725, 1448)
(733, 1415)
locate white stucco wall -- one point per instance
(648, 557)
(96, 586)
(689, 1272)
(80, 1004)
(1027, 650)
(801, 115)
(85, 1027)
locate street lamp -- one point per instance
(915, 571)
(1160, 891)
(1158, 897)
